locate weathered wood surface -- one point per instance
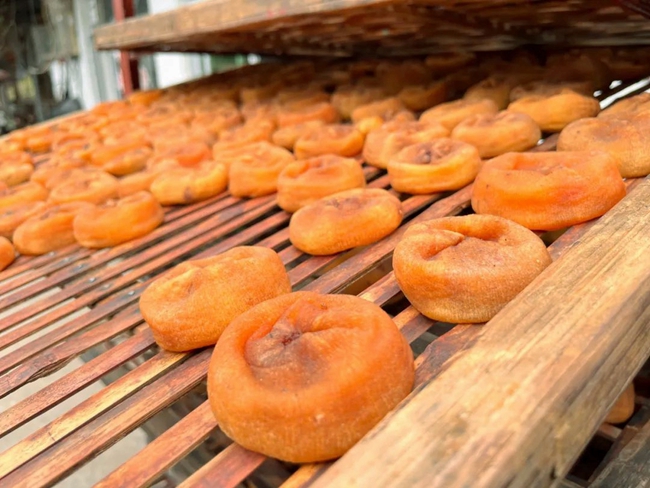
(345, 27)
(631, 467)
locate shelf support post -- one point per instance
(123, 9)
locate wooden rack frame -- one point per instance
(386, 27)
(507, 404)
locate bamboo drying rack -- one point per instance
(509, 404)
(386, 27)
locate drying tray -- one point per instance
(386, 27)
(512, 403)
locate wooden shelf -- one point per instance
(387, 27)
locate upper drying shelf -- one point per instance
(385, 27)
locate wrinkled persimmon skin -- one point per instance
(422, 97)
(23, 193)
(7, 253)
(627, 138)
(189, 306)
(553, 111)
(451, 114)
(14, 215)
(303, 182)
(341, 140)
(129, 162)
(183, 186)
(429, 167)
(347, 98)
(466, 269)
(628, 106)
(117, 221)
(14, 173)
(385, 142)
(49, 230)
(292, 377)
(345, 220)
(387, 109)
(255, 173)
(548, 190)
(323, 111)
(498, 134)
(287, 136)
(94, 187)
(243, 135)
(493, 88)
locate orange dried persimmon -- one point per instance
(494, 88)
(93, 186)
(286, 137)
(256, 172)
(386, 108)
(145, 97)
(23, 193)
(7, 253)
(189, 306)
(188, 153)
(245, 134)
(128, 162)
(40, 142)
(218, 120)
(264, 391)
(323, 111)
(498, 134)
(117, 221)
(105, 153)
(164, 114)
(345, 220)
(14, 215)
(429, 167)
(53, 167)
(446, 63)
(395, 74)
(14, 173)
(135, 182)
(554, 109)
(71, 140)
(623, 409)
(265, 111)
(259, 91)
(49, 230)
(627, 138)
(347, 98)
(548, 190)
(305, 181)
(450, 114)
(182, 186)
(338, 139)
(628, 106)
(466, 269)
(385, 142)
(422, 97)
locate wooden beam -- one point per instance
(518, 407)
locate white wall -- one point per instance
(174, 68)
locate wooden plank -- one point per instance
(89, 290)
(226, 470)
(632, 465)
(163, 452)
(68, 385)
(571, 339)
(81, 446)
(208, 16)
(58, 429)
